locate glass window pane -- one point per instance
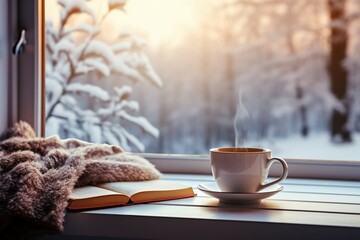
(183, 76)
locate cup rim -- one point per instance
(255, 150)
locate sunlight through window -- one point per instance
(183, 76)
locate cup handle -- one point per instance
(281, 178)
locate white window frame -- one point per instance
(167, 163)
(298, 168)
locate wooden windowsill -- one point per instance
(305, 209)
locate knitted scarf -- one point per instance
(37, 175)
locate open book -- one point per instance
(122, 193)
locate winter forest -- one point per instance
(183, 76)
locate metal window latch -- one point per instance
(20, 45)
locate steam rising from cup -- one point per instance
(241, 123)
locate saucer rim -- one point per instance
(205, 189)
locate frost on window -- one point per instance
(88, 77)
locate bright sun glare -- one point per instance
(157, 21)
(162, 19)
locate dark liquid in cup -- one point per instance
(241, 149)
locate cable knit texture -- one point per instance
(37, 176)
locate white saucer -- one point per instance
(213, 190)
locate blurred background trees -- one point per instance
(295, 64)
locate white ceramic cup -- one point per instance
(243, 169)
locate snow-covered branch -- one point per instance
(79, 106)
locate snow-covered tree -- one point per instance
(353, 64)
(81, 69)
(337, 69)
(279, 63)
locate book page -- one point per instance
(90, 191)
(151, 190)
(94, 197)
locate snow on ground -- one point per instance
(315, 146)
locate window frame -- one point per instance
(31, 108)
(298, 168)
(27, 68)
